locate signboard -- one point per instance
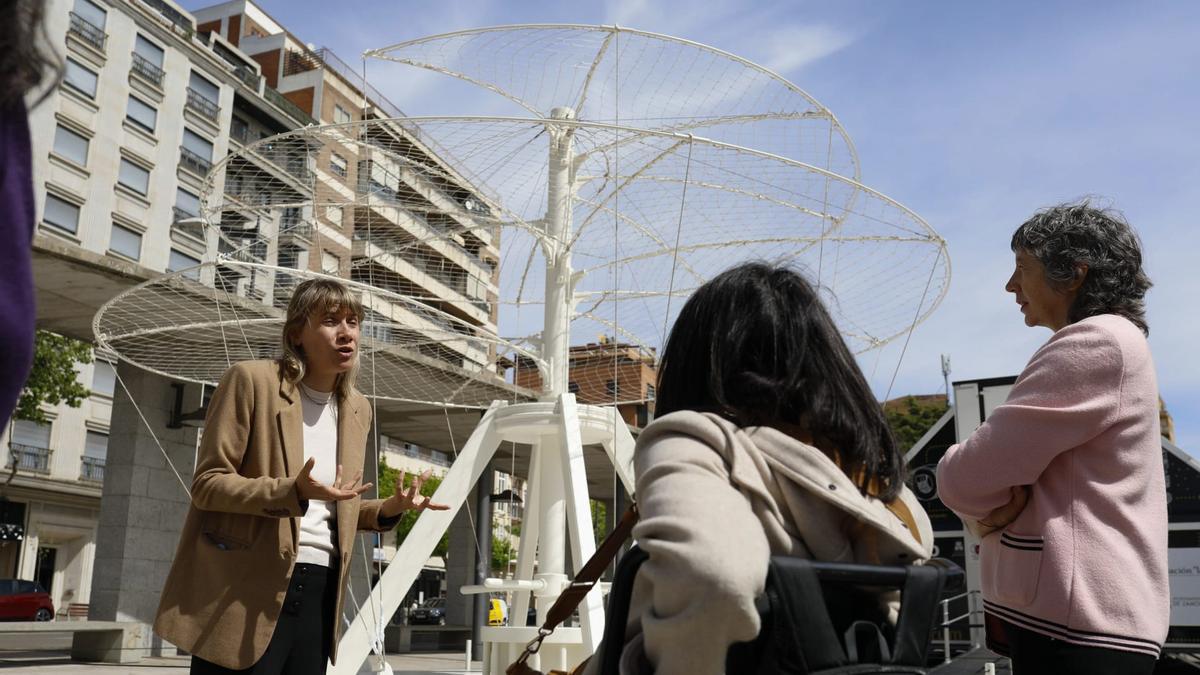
(1184, 567)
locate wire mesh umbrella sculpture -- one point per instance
(487, 250)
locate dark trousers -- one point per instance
(300, 643)
(1036, 654)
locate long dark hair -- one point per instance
(1066, 236)
(756, 345)
(23, 61)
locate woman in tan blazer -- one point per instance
(257, 581)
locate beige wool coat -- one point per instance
(235, 556)
(716, 501)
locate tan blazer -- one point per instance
(235, 555)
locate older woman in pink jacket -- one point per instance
(1074, 566)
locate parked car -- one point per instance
(22, 600)
(433, 612)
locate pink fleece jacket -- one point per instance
(1086, 561)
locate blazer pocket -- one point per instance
(231, 531)
(1013, 567)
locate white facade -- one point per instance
(120, 149)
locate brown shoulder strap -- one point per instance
(898, 507)
(588, 575)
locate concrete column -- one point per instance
(460, 566)
(143, 505)
(483, 562)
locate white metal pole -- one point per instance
(556, 334)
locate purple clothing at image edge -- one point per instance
(16, 269)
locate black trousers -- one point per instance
(1036, 654)
(300, 644)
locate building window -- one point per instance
(335, 214)
(125, 241)
(104, 378)
(30, 446)
(289, 256)
(182, 261)
(87, 22)
(141, 113)
(239, 129)
(70, 145)
(148, 60)
(202, 96)
(95, 451)
(337, 164)
(340, 115)
(196, 152)
(573, 387)
(134, 177)
(649, 392)
(330, 263)
(187, 205)
(610, 386)
(80, 78)
(92, 13)
(61, 213)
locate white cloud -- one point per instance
(791, 48)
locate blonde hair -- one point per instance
(317, 296)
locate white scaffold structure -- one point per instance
(635, 167)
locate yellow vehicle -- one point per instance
(497, 612)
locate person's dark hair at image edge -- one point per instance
(23, 41)
(1065, 236)
(756, 345)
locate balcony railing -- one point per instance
(30, 458)
(248, 76)
(143, 68)
(181, 24)
(181, 224)
(193, 162)
(92, 469)
(287, 106)
(202, 105)
(87, 31)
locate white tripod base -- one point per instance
(556, 509)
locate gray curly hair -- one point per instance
(1066, 236)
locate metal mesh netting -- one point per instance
(444, 265)
(192, 325)
(638, 79)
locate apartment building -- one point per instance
(604, 372)
(121, 149)
(379, 218)
(152, 98)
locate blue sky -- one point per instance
(971, 114)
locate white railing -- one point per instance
(974, 608)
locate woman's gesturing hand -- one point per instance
(410, 498)
(310, 488)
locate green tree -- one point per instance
(912, 418)
(599, 520)
(387, 487)
(502, 553)
(53, 379)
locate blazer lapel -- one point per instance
(291, 427)
(351, 448)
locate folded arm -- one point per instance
(1068, 394)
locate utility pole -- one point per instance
(946, 375)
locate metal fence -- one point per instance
(193, 162)
(202, 105)
(87, 31)
(30, 458)
(147, 71)
(92, 469)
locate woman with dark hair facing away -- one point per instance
(23, 67)
(767, 441)
(1064, 481)
(257, 581)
